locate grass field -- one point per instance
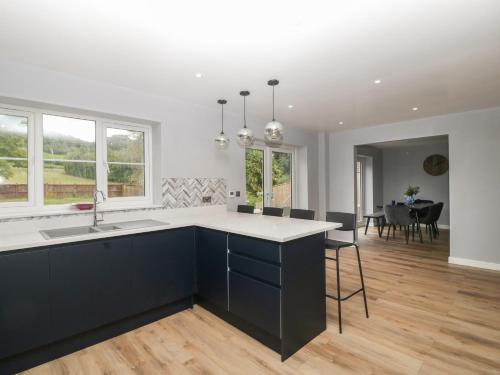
(50, 176)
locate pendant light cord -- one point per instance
(273, 104)
(244, 112)
(222, 128)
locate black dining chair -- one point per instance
(272, 211)
(437, 216)
(417, 201)
(348, 222)
(246, 209)
(429, 219)
(296, 213)
(398, 215)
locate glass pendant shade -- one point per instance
(222, 141)
(273, 131)
(245, 137)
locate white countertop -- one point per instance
(26, 234)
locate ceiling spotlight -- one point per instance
(341, 122)
(290, 106)
(377, 81)
(198, 75)
(414, 109)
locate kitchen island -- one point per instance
(265, 275)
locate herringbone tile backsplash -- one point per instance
(178, 192)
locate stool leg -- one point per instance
(362, 280)
(367, 223)
(338, 289)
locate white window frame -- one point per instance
(268, 181)
(35, 203)
(147, 162)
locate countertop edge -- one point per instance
(103, 235)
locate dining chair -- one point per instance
(246, 209)
(429, 219)
(349, 224)
(272, 211)
(296, 213)
(398, 215)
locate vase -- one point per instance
(410, 200)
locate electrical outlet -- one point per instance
(237, 193)
(231, 194)
(206, 199)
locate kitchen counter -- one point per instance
(25, 234)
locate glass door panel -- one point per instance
(254, 177)
(281, 195)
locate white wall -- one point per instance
(474, 177)
(403, 166)
(187, 130)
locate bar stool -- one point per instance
(296, 213)
(246, 209)
(348, 222)
(272, 211)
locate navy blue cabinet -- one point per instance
(90, 284)
(164, 268)
(24, 301)
(211, 257)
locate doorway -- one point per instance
(270, 177)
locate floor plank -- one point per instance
(426, 317)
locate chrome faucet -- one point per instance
(96, 193)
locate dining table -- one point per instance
(379, 216)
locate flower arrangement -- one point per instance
(410, 193)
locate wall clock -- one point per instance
(436, 165)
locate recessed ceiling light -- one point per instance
(290, 106)
(414, 109)
(198, 75)
(341, 122)
(377, 81)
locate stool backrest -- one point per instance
(347, 220)
(296, 213)
(246, 209)
(272, 211)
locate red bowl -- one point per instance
(84, 206)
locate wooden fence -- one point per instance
(282, 195)
(20, 191)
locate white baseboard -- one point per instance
(474, 263)
(443, 226)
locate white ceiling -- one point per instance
(441, 56)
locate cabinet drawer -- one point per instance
(256, 302)
(255, 268)
(253, 247)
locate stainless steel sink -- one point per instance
(78, 231)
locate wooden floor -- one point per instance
(426, 317)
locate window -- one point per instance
(15, 173)
(125, 162)
(52, 159)
(69, 160)
(270, 177)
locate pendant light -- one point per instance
(245, 136)
(221, 141)
(273, 131)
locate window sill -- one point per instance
(71, 211)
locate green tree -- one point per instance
(12, 145)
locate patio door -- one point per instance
(360, 204)
(270, 177)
